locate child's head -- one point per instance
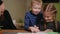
(36, 6)
(48, 16)
(49, 13)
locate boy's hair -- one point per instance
(36, 2)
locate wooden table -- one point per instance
(21, 31)
(14, 31)
(0, 32)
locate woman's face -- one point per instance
(2, 7)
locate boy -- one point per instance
(31, 16)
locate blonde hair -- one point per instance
(36, 2)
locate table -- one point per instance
(14, 31)
(23, 32)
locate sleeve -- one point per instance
(26, 22)
(40, 20)
(58, 26)
(9, 20)
(51, 26)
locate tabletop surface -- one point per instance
(24, 32)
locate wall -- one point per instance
(16, 8)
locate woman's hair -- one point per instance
(1, 2)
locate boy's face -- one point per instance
(48, 17)
(36, 8)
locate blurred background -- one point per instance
(17, 9)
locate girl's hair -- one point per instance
(50, 8)
(2, 18)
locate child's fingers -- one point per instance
(36, 26)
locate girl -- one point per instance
(49, 23)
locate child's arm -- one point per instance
(34, 29)
(26, 22)
(50, 27)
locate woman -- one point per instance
(5, 18)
